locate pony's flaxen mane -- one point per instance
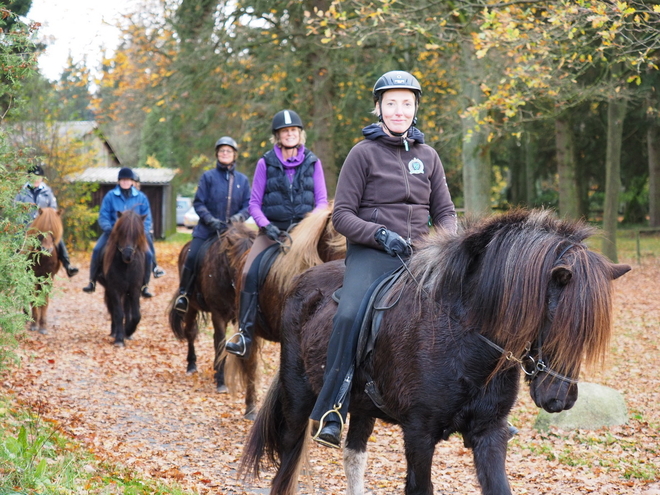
(493, 266)
(304, 252)
(128, 230)
(48, 221)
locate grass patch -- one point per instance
(179, 238)
(36, 458)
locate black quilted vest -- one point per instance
(285, 203)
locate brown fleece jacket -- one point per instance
(381, 184)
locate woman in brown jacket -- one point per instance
(390, 187)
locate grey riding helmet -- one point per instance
(225, 141)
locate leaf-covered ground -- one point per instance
(138, 407)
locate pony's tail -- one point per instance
(266, 440)
(178, 322)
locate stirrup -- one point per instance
(241, 342)
(177, 306)
(316, 438)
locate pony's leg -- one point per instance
(133, 315)
(249, 369)
(355, 453)
(219, 332)
(34, 324)
(489, 452)
(419, 446)
(116, 309)
(43, 318)
(191, 330)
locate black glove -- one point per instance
(272, 232)
(392, 242)
(217, 225)
(237, 218)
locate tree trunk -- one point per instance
(476, 150)
(322, 121)
(531, 151)
(653, 138)
(568, 187)
(616, 112)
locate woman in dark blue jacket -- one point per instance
(222, 196)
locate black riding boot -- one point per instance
(63, 255)
(94, 271)
(246, 320)
(187, 279)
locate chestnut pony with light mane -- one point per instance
(47, 226)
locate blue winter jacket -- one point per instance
(115, 201)
(211, 198)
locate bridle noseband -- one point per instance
(528, 364)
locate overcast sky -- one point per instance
(83, 28)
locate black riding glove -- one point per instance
(217, 225)
(272, 232)
(392, 242)
(237, 218)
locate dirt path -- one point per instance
(137, 406)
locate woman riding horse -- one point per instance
(389, 187)
(288, 183)
(41, 195)
(222, 196)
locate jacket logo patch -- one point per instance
(416, 166)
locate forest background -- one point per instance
(530, 103)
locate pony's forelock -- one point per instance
(48, 221)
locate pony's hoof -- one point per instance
(191, 369)
(32, 328)
(251, 415)
(43, 331)
(119, 344)
(222, 389)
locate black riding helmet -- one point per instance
(37, 170)
(286, 118)
(397, 79)
(225, 141)
(125, 173)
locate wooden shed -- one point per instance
(155, 183)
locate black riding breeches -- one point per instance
(364, 265)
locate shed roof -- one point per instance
(108, 175)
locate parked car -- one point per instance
(182, 206)
(190, 218)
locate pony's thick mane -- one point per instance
(47, 221)
(129, 229)
(236, 243)
(495, 276)
(304, 252)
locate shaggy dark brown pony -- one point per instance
(47, 226)
(516, 291)
(213, 292)
(314, 241)
(123, 273)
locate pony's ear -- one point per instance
(41, 210)
(561, 275)
(59, 212)
(618, 270)
(119, 213)
(143, 217)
